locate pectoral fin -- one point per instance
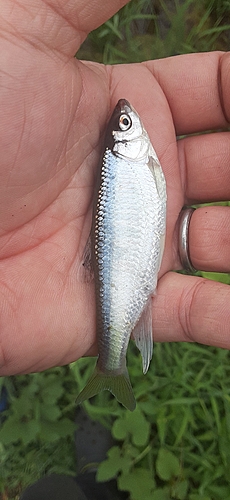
(158, 175)
(142, 335)
(86, 273)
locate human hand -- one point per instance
(53, 113)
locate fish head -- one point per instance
(126, 136)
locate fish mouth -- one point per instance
(123, 106)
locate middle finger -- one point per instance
(204, 162)
(205, 172)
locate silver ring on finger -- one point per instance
(183, 239)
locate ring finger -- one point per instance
(209, 239)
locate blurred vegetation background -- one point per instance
(151, 29)
(176, 444)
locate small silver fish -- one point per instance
(127, 239)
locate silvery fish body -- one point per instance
(127, 246)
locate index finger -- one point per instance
(197, 90)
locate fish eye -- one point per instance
(125, 122)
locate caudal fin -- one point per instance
(118, 385)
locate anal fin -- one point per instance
(142, 335)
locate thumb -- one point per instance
(93, 13)
(61, 26)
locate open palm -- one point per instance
(53, 114)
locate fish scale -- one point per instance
(125, 269)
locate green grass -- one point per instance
(176, 444)
(147, 29)
(177, 441)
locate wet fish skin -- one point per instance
(127, 246)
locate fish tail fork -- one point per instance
(118, 385)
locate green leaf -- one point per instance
(199, 497)
(110, 467)
(180, 489)
(133, 423)
(53, 389)
(14, 430)
(139, 483)
(2, 379)
(65, 427)
(224, 445)
(33, 385)
(50, 412)
(115, 463)
(207, 436)
(162, 423)
(51, 431)
(167, 465)
(9, 431)
(29, 431)
(23, 405)
(119, 429)
(161, 494)
(221, 277)
(220, 492)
